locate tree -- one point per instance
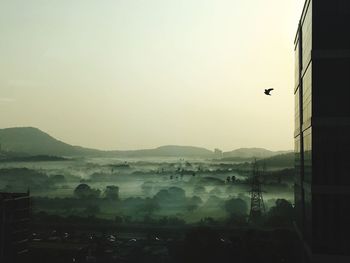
(208, 221)
(177, 193)
(280, 214)
(172, 198)
(162, 195)
(150, 206)
(238, 209)
(85, 191)
(199, 190)
(57, 179)
(92, 210)
(236, 206)
(147, 187)
(193, 203)
(112, 192)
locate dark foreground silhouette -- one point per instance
(91, 241)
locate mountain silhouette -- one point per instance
(32, 141)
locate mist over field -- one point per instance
(188, 189)
(186, 184)
(146, 205)
(168, 186)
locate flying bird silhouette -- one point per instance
(267, 91)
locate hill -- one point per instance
(168, 151)
(285, 160)
(250, 153)
(34, 142)
(29, 140)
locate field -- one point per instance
(186, 189)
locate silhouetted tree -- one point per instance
(280, 214)
(92, 210)
(193, 203)
(233, 179)
(236, 206)
(199, 190)
(150, 206)
(85, 191)
(112, 192)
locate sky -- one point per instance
(132, 74)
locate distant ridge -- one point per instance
(281, 160)
(168, 151)
(32, 141)
(29, 140)
(258, 153)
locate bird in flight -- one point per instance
(267, 91)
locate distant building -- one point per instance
(14, 226)
(218, 153)
(322, 130)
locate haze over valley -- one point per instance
(185, 183)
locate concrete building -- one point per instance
(14, 227)
(322, 130)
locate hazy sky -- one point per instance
(126, 74)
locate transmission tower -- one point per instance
(257, 207)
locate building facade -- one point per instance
(15, 211)
(322, 130)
